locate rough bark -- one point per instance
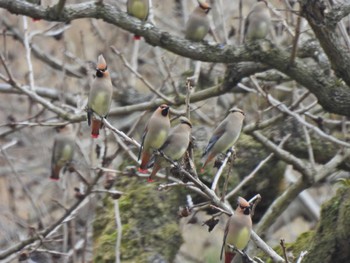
(332, 94)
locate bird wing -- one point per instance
(220, 130)
(142, 142)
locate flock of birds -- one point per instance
(158, 134)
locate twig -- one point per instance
(302, 255)
(309, 146)
(243, 254)
(204, 190)
(283, 246)
(53, 227)
(28, 51)
(219, 172)
(139, 76)
(188, 97)
(254, 172)
(60, 6)
(283, 108)
(134, 60)
(24, 187)
(295, 41)
(45, 57)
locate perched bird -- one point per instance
(238, 230)
(155, 134)
(197, 25)
(138, 9)
(63, 151)
(100, 97)
(257, 24)
(174, 147)
(225, 135)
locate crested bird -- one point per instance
(174, 147)
(138, 9)
(258, 21)
(225, 135)
(63, 151)
(100, 97)
(154, 135)
(197, 25)
(238, 230)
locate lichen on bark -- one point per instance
(150, 230)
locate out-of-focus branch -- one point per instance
(332, 94)
(52, 228)
(38, 52)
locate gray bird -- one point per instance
(238, 230)
(224, 136)
(174, 147)
(63, 151)
(100, 97)
(258, 22)
(154, 136)
(138, 9)
(197, 25)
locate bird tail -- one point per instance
(137, 37)
(155, 169)
(144, 161)
(209, 158)
(55, 172)
(229, 256)
(95, 128)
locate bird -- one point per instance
(138, 9)
(238, 230)
(63, 151)
(224, 136)
(174, 147)
(154, 135)
(100, 97)
(197, 25)
(258, 21)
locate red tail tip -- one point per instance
(54, 179)
(150, 180)
(36, 19)
(94, 136)
(137, 37)
(229, 256)
(143, 171)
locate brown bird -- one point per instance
(238, 230)
(63, 151)
(154, 136)
(174, 147)
(224, 136)
(100, 97)
(197, 25)
(258, 22)
(138, 9)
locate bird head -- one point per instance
(204, 6)
(101, 66)
(184, 120)
(243, 206)
(164, 110)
